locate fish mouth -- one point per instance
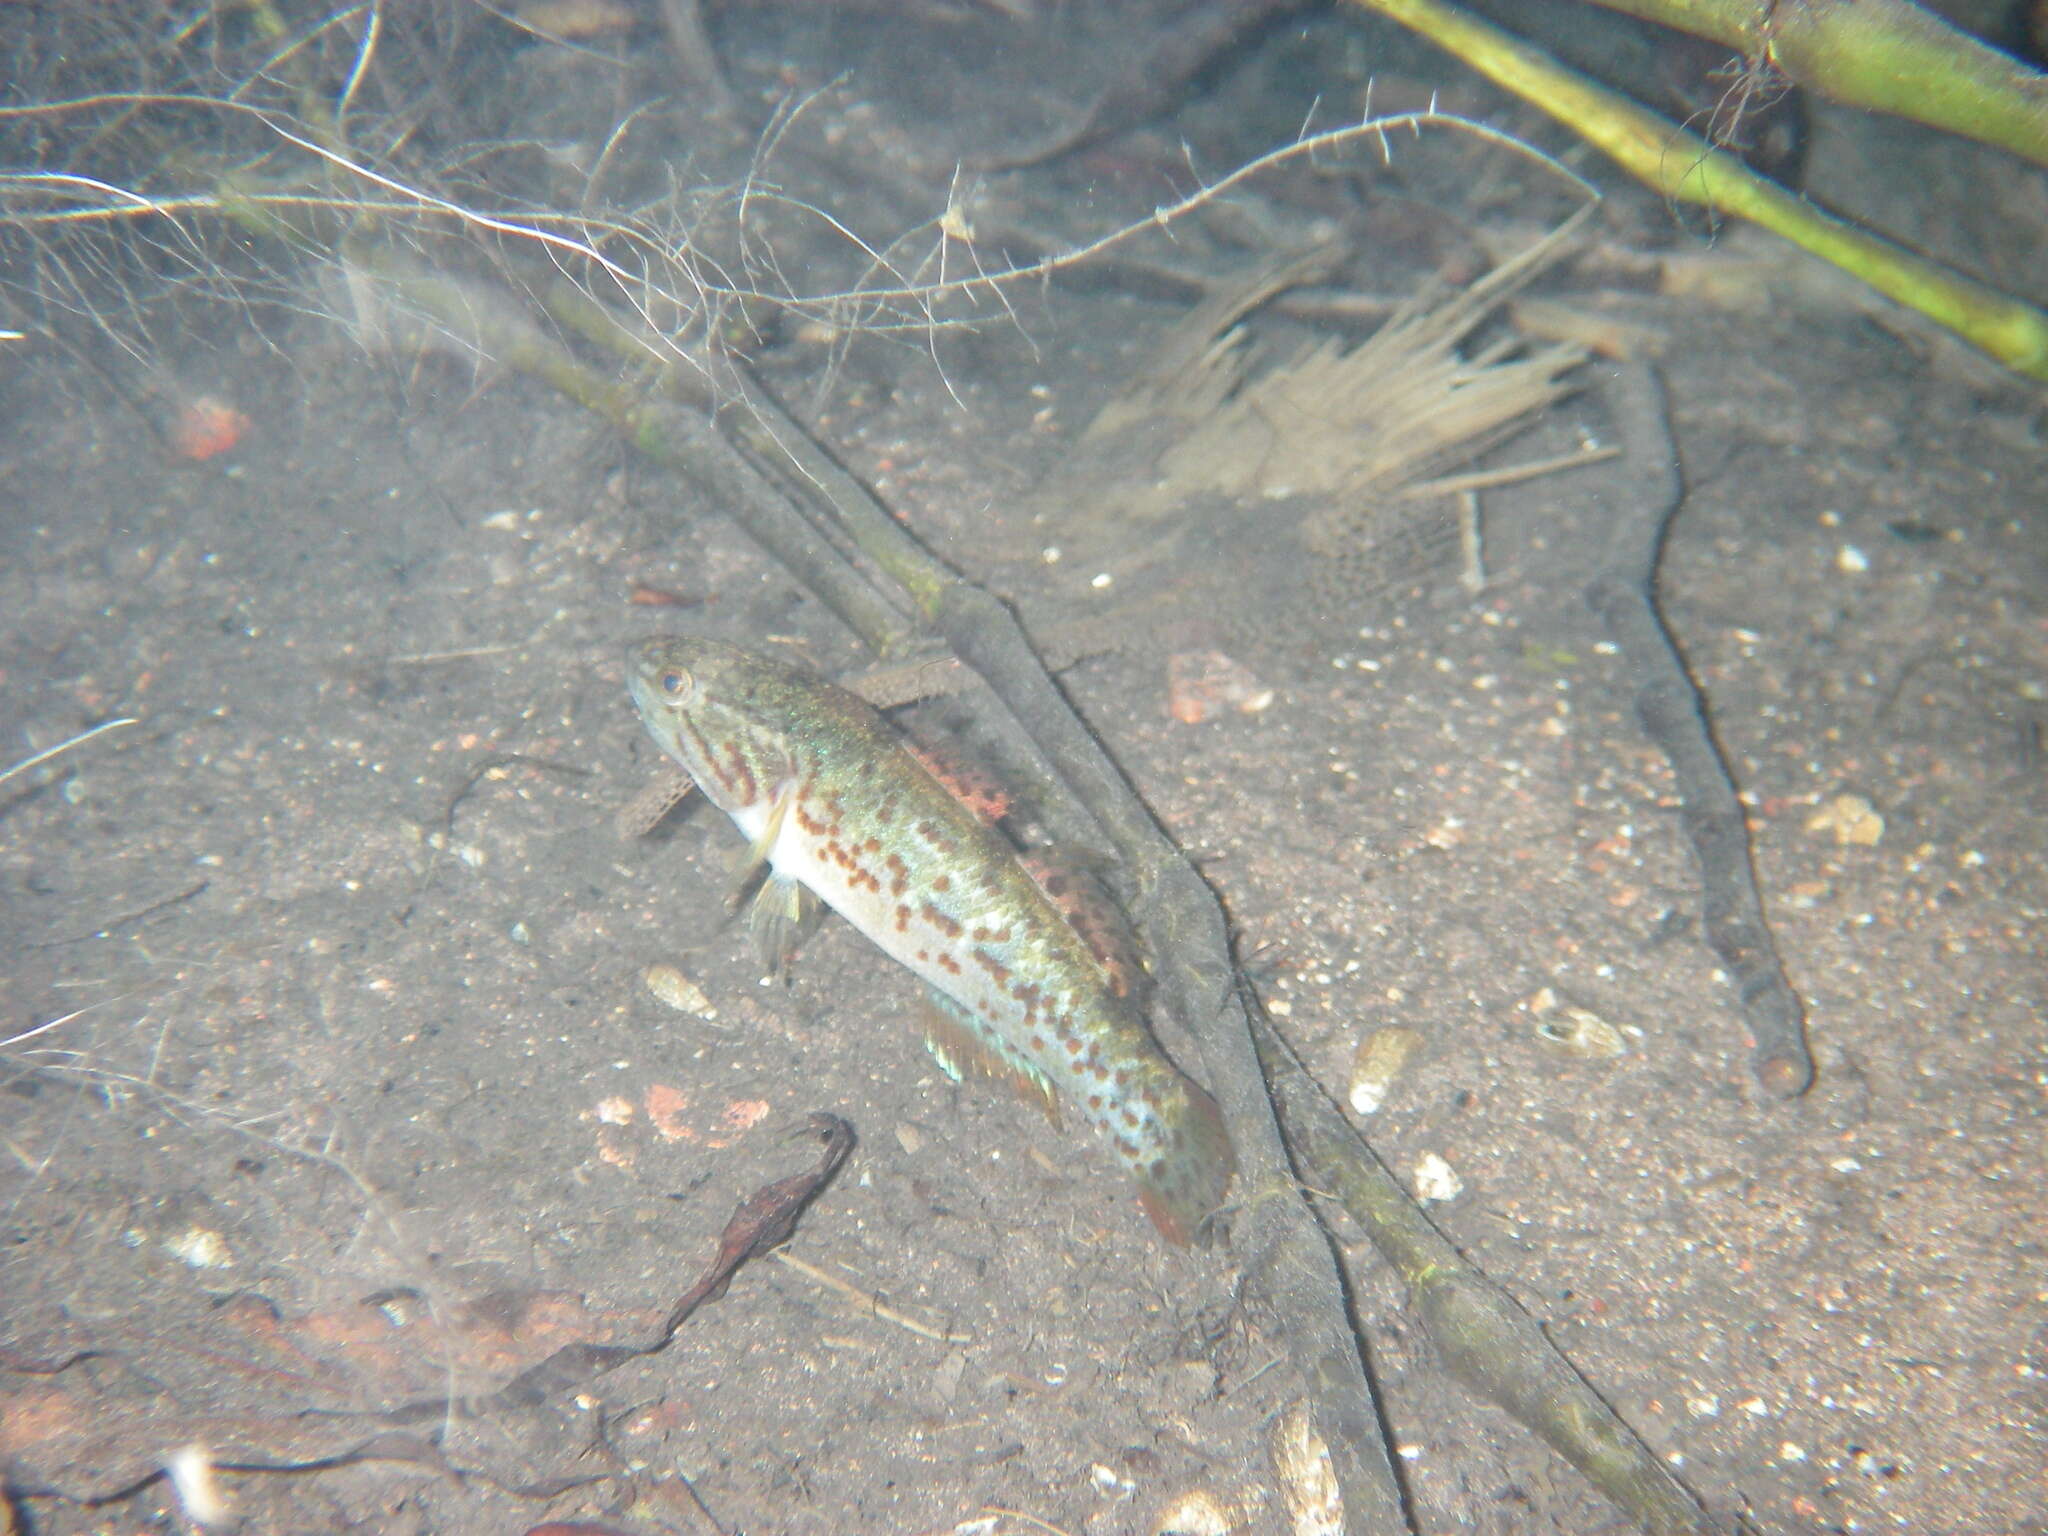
(638, 689)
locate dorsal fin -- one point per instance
(1069, 880)
(973, 784)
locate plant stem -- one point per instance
(1888, 55)
(1686, 168)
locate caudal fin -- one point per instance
(1186, 1184)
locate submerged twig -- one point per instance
(494, 766)
(63, 746)
(1673, 715)
(1490, 1345)
(873, 1304)
(1153, 81)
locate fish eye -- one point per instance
(673, 681)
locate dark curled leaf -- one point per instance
(764, 1220)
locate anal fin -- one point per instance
(961, 1044)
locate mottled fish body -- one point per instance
(831, 800)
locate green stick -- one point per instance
(1686, 168)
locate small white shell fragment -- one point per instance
(1851, 818)
(671, 986)
(189, 1469)
(1851, 561)
(1308, 1485)
(1200, 685)
(1436, 1180)
(201, 1247)
(1109, 1482)
(1198, 1512)
(1574, 1031)
(1381, 1058)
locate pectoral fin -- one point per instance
(782, 914)
(751, 862)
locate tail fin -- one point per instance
(1185, 1186)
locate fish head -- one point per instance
(718, 711)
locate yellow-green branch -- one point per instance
(1686, 168)
(1887, 55)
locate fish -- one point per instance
(833, 803)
